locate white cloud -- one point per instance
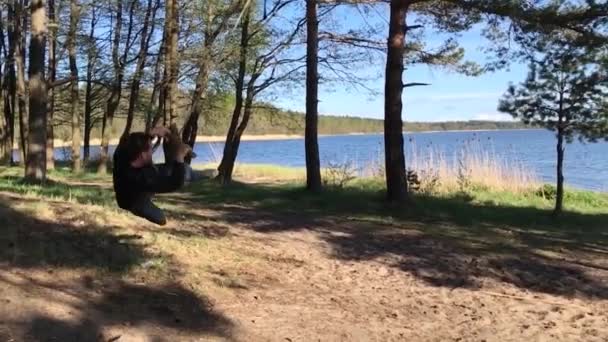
(493, 117)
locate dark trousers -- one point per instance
(143, 206)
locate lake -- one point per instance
(586, 165)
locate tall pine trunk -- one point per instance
(10, 99)
(19, 23)
(174, 68)
(35, 168)
(7, 129)
(396, 184)
(115, 92)
(313, 167)
(52, 70)
(88, 96)
(75, 96)
(227, 164)
(559, 198)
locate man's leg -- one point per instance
(166, 170)
(144, 208)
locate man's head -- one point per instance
(139, 149)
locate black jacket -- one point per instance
(131, 183)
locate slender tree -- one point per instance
(119, 62)
(52, 75)
(146, 36)
(6, 131)
(35, 168)
(217, 23)
(92, 57)
(74, 94)
(566, 92)
(20, 23)
(10, 84)
(264, 61)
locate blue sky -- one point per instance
(449, 97)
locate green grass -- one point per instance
(362, 198)
(61, 185)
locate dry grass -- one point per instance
(471, 166)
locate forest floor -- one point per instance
(264, 261)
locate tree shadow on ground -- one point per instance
(444, 241)
(30, 242)
(32, 247)
(164, 312)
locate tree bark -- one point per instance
(153, 120)
(88, 97)
(52, 70)
(396, 184)
(6, 130)
(19, 55)
(35, 169)
(139, 68)
(174, 67)
(313, 166)
(227, 164)
(75, 96)
(230, 154)
(10, 98)
(559, 198)
(191, 126)
(114, 99)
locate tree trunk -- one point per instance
(10, 98)
(88, 97)
(114, 98)
(227, 164)
(168, 99)
(191, 126)
(311, 142)
(174, 68)
(229, 158)
(396, 184)
(75, 100)
(139, 69)
(152, 120)
(559, 198)
(35, 169)
(7, 129)
(19, 52)
(52, 70)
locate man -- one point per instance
(136, 179)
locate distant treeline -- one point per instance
(268, 119)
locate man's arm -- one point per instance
(150, 179)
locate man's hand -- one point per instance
(160, 131)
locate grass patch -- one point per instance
(364, 198)
(60, 186)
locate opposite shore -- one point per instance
(273, 137)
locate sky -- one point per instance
(450, 96)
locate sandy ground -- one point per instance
(233, 273)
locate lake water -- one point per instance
(586, 165)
